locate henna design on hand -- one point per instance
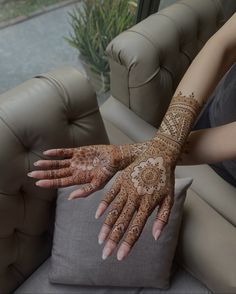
(148, 181)
(92, 166)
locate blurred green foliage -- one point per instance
(94, 24)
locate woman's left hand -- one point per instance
(146, 183)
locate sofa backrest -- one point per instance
(55, 110)
(148, 60)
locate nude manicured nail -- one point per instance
(97, 214)
(29, 174)
(101, 238)
(121, 254)
(106, 253)
(36, 163)
(100, 241)
(157, 234)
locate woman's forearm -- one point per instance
(202, 76)
(211, 63)
(210, 145)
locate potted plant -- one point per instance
(94, 24)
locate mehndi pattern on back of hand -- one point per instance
(148, 182)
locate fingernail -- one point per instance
(121, 254)
(101, 238)
(106, 253)
(97, 214)
(37, 183)
(100, 241)
(157, 234)
(29, 174)
(70, 198)
(45, 152)
(36, 163)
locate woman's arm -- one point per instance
(210, 145)
(211, 63)
(148, 182)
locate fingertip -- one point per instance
(38, 183)
(123, 252)
(157, 234)
(100, 210)
(36, 163)
(77, 194)
(41, 183)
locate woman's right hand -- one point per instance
(92, 166)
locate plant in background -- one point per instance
(95, 23)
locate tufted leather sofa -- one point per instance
(59, 109)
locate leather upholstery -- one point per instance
(148, 60)
(55, 110)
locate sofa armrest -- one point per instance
(54, 110)
(148, 60)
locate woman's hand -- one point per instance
(90, 165)
(145, 184)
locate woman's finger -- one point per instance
(162, 216)
(61, 152)
(86, 189)
(53, 164)
(134, 231)
(57, 183)
(109, 197)
(51, 174)
(112, 216)
(119, 228)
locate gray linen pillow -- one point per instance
(77, 256)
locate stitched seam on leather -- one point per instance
(63, 94)
(179, 30)
(193, 10)
(145, 37)
(90, 112)
(212, 207)
(6, 194)
(119, 129)
(15, 135)
(56, 82)
(150, 78)
(8, 126)
(18, 271)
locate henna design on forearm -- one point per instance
(180, 116)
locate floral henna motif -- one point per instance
(149, 176)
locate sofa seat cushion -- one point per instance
(38, 283)
(121, 120)
(207, 245)
(218, 193)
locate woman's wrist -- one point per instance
(130, 152)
